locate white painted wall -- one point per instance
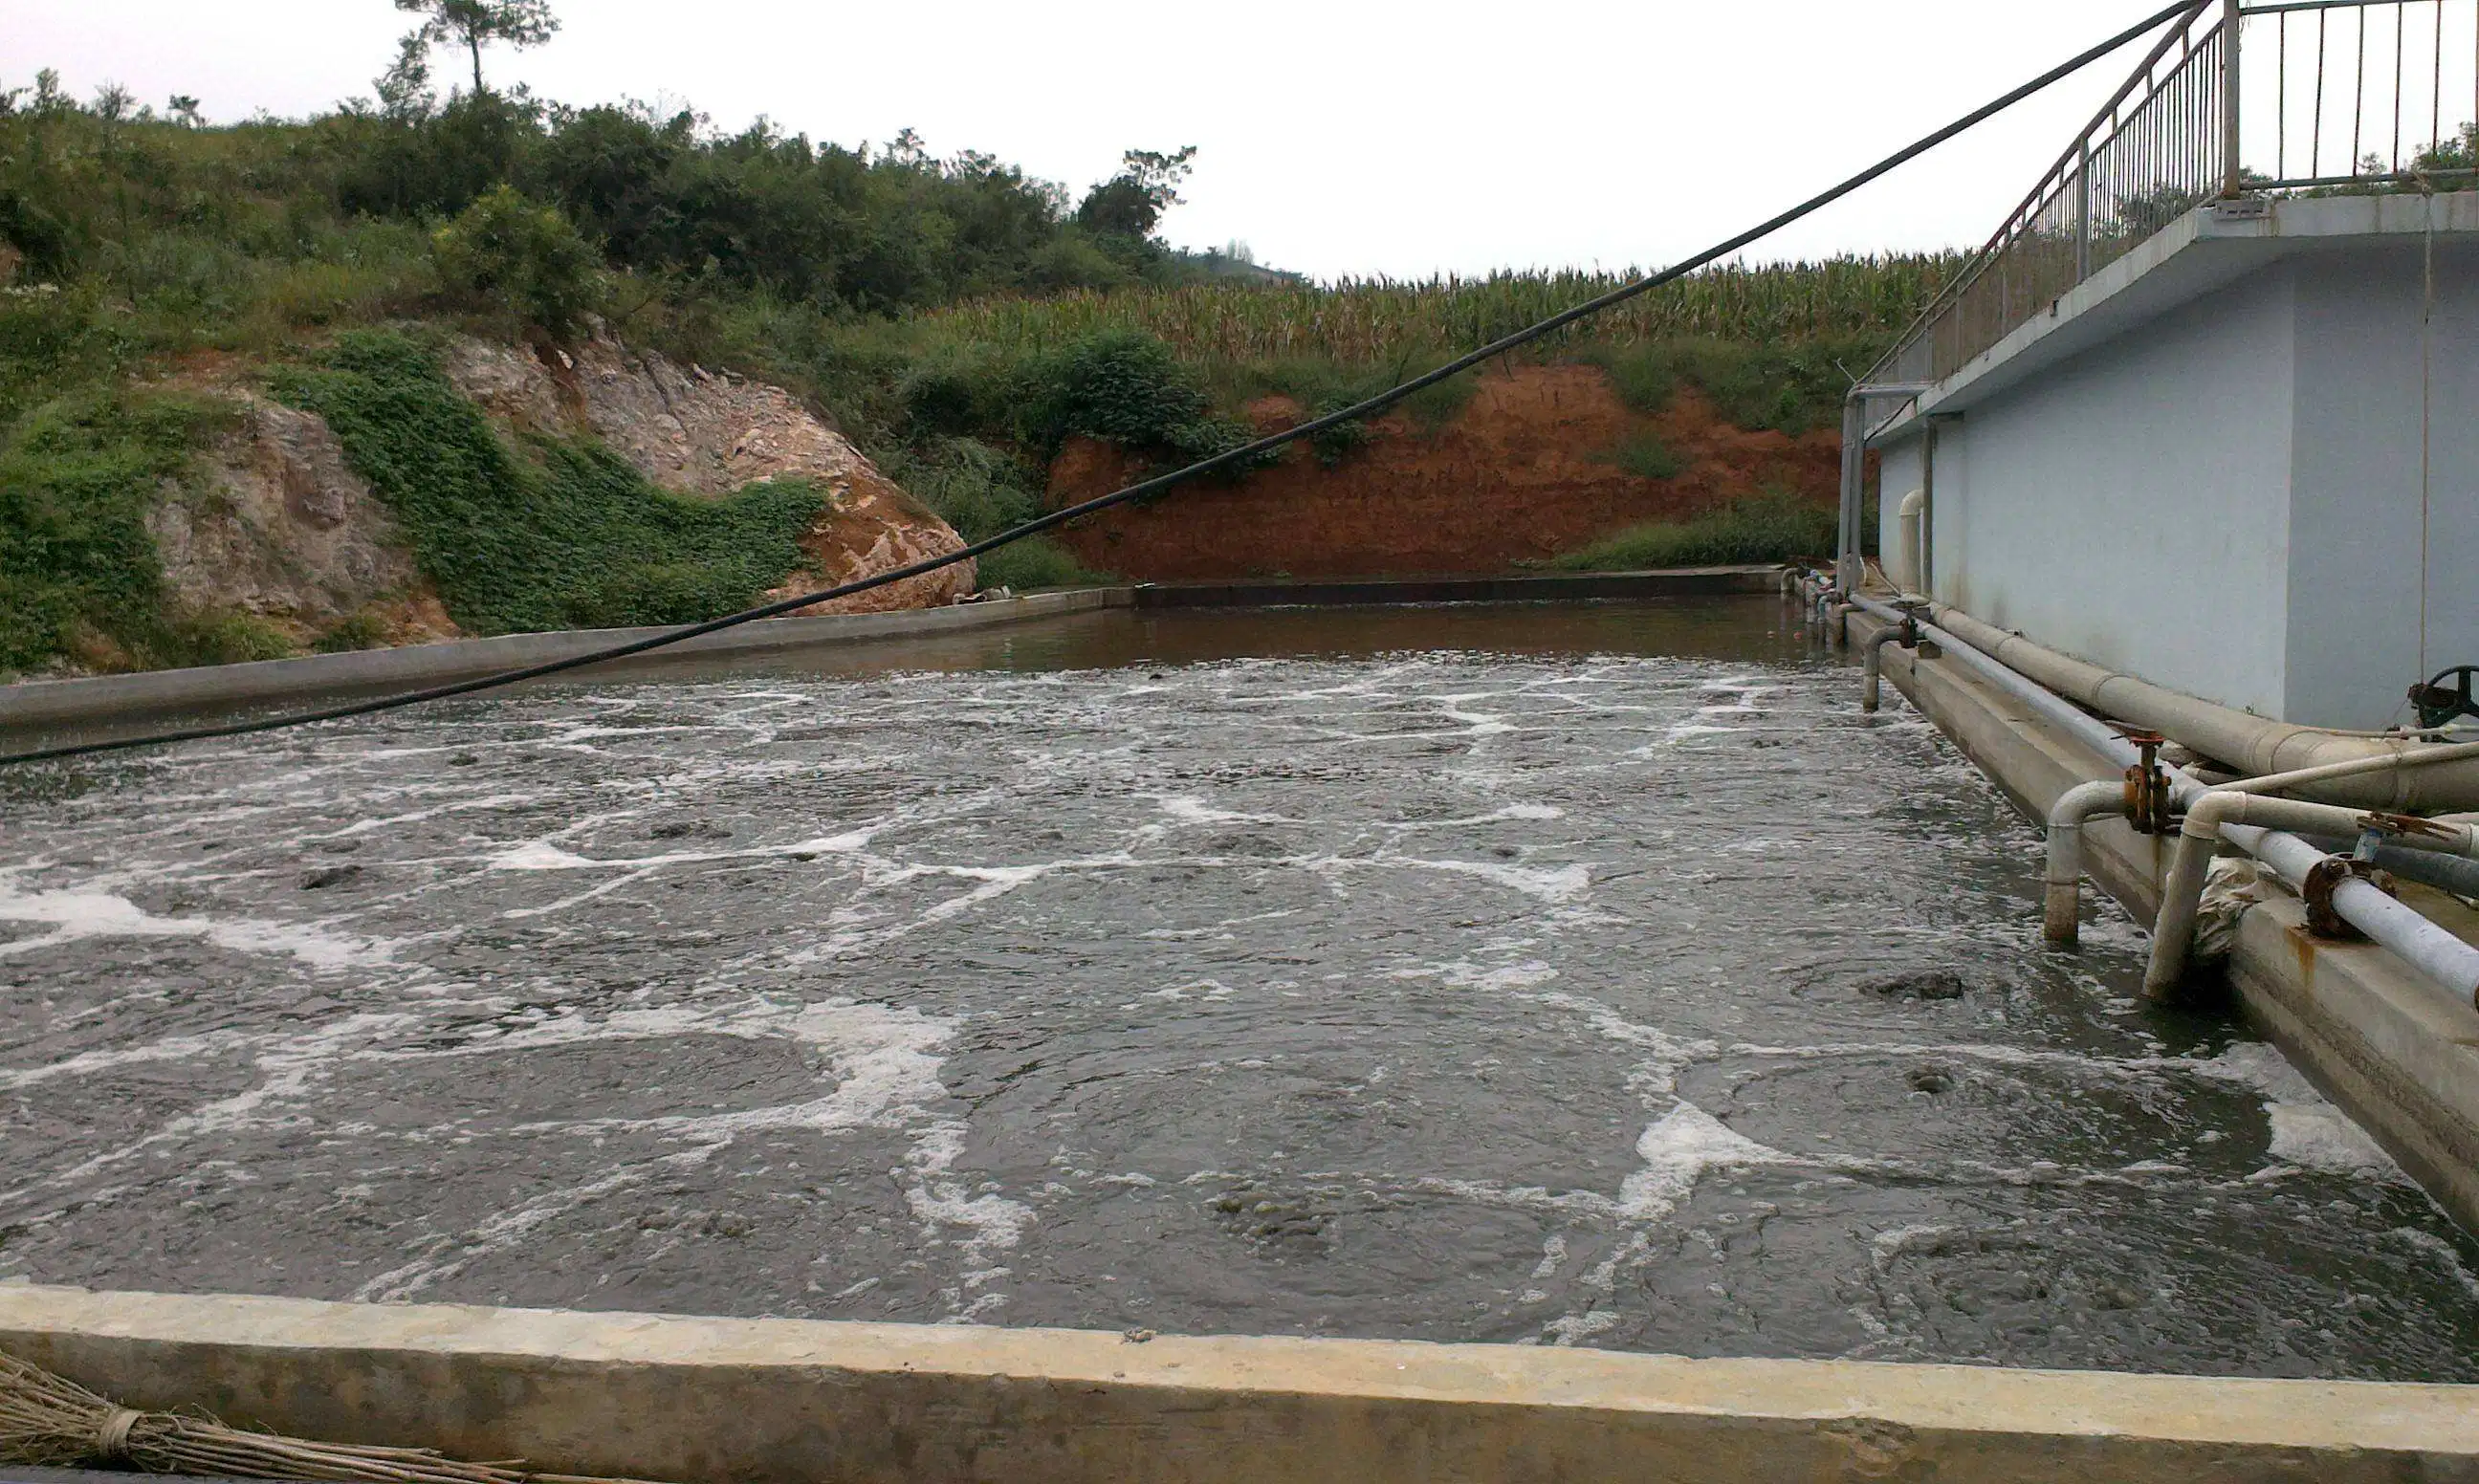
(2131, 505)
(2353, 587)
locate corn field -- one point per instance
(1367, 321)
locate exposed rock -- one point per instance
(709, 433)
(276, 523)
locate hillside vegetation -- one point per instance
(958, 319)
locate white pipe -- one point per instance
(1872, 666)
(2084, 726)
(1914, 559)
(2209, 820)
(2061, 919)
(2249, 744)
(2440, 955)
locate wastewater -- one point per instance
(1579, 975)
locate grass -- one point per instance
(1388, 321)
(566, 535)
(981, 490)
(1768, 528)
(1644, 454)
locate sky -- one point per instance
(1335, 138)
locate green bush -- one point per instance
(363, 630)
(225, 638)
(568, 535)
(1646, 455)
(1124, 388)
(1035, 562)
(77, 479)
(523, 256)
(1768, 528)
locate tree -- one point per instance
(404, 88)
(1131, 202)
(473, 23)
(184, 111)
(522, 255)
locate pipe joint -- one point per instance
(2323, 880)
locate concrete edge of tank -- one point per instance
(709, 1401)
(30, 703)
(2397, 1052)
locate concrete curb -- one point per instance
(157, 692)
(37, 704)
(753, 1402)
(1556, 587)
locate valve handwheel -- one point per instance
(2437, 704)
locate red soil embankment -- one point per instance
(1521, 475)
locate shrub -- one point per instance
(523, 256)
(1768, 528)
(361, 631)
(568, 535)
(1125, 388)
(1646, 455)
(1035, 562)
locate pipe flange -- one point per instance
(2326, 875)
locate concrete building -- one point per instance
(2236, 454)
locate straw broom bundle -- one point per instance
(48, 1421)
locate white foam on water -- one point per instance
(445, 1257)
(1896, 1242)
(73, 916)
(1677, 1148)
(1559, 883)
(1196, 812)
(2443, 1253)
(1575, 1327)
(2308, 1130)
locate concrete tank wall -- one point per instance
(2130, 505)
(2353, 585)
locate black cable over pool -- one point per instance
(1546, 975)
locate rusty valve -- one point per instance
(2147, 788)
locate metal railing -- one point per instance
(2284, 96)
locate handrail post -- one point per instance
(2233, 176)
(2083, 209)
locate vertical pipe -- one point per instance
(1855, 426)
(1926, 575)
(2232, 175)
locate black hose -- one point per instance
(1160, 482)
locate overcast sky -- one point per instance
(1334, 136)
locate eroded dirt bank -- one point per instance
(1525, 470)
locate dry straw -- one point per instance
(48, 1421)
